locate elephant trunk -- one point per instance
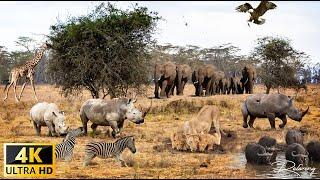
(156, 83)
(178, 81)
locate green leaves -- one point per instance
(279, 62)
(104, 51)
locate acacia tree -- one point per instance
(105, 52)
(280, 63)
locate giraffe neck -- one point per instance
(33, 62)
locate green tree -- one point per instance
(279, 62)
(105, 52)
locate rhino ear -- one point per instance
(54, 114)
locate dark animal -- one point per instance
(203, 79)
(313, 148)
(270, 106)
(183, 75)
(269, 143)
(256, 13)
(248, 78)
(255, 153)
(235, 85)
(164, 77)
(294, 136)
(219, 82)
(297, 154)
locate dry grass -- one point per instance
(154, 157)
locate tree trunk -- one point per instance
(268, 90)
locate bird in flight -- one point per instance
(256, 13)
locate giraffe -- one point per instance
(26, 70)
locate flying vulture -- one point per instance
(255, 14)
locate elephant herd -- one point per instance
(207, 80)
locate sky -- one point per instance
(210, 23)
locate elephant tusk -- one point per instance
(246, 81)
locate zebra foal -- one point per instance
(109, 149)
(64, 150)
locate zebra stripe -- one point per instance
(64, 150)
(108, 150)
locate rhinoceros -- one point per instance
(112, 113)
(270, 106)
(48, 114)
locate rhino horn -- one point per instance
(148, 110)
(305, 112)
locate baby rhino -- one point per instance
(48, 114)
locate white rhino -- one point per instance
(48, 114)
(112, 113)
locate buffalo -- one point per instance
(313, 148)
(255, 153)
(297, 154)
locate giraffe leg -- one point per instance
(7, 91)
(15, 91)
(23, 86)
(34, 89)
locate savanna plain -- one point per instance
(154, 157)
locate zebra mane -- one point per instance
(127, 137)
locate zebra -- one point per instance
(109, 149)
(64, 150)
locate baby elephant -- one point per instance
(48, 114)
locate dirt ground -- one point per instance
(154, 157)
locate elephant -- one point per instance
(248, 78)
(164, 77)
(226, 85)
(235, 85)
(183, 75)
(203, 79)
(219, 82)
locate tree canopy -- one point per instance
(105, 52)
(279, 63)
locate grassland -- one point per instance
(154, 157)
